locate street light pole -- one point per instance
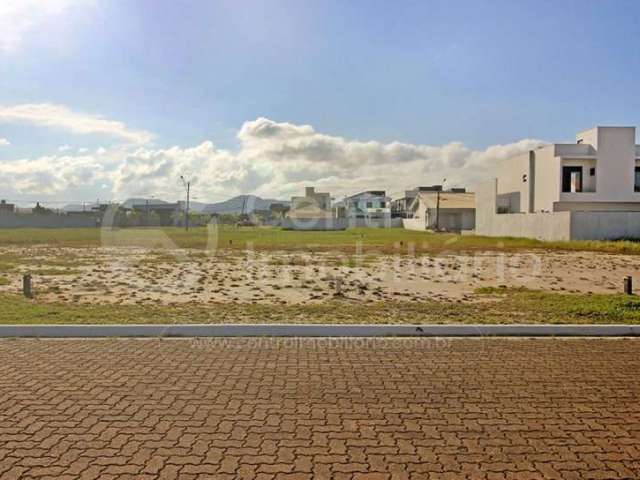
(438, 205)
(187, 185)
(437, 210)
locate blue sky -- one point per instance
(423, 73)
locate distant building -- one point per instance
(451, 211)
(400, 206)
(318, 203)
(159, 214)
(312, 212)
(278, 210)
(312, 205)
(7, 207)
(366, 209)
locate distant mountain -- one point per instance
(197, 207)
(234, 205)
(242, 203)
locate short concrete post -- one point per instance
(26, 286)
(338, 281)
(628, 285)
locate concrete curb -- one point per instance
(323, 330)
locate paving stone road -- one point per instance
(314, 409)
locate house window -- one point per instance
(592, 172)
(571, 179)
(369, 204)
(636, 185)
(383, 204)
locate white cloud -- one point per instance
(59, 116)
(64, 148)
(297, 154)
(18, 18)
(4, 142)
(274, 159)
(50, 175)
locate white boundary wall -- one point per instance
(542, 226)
(414, 224)
(605, 225)
(569, 225)
(311, 224)
(9, 220)
(386, 222)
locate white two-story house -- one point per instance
(586, 190)
(366, 209)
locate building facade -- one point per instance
(366, 209)
(311, 200)
(597, 177)
(7, 207)
(312, 212)
(449, 211)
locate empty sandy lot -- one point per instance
(131, 275)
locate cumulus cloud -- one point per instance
(60, 116)
(49, 175)
(297, 154)
(274, 159)
(4, 142)
(20, 17)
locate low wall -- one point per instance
(375, 223)
(310, 224)
(414, 224)
(46, 221)
(541, 226)
(566, 225)
(605, 225)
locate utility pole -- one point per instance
(187, 185)
(437, 210)
(438, 205)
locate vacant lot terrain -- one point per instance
(389, 240)
(381, 277)
(319, 409)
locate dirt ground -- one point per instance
(127, 275)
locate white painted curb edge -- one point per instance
(322, 330)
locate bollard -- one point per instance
(26, 286)
(628, 285)
(338, 286)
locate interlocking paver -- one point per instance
(320, 409)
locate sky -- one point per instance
(111, 99)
